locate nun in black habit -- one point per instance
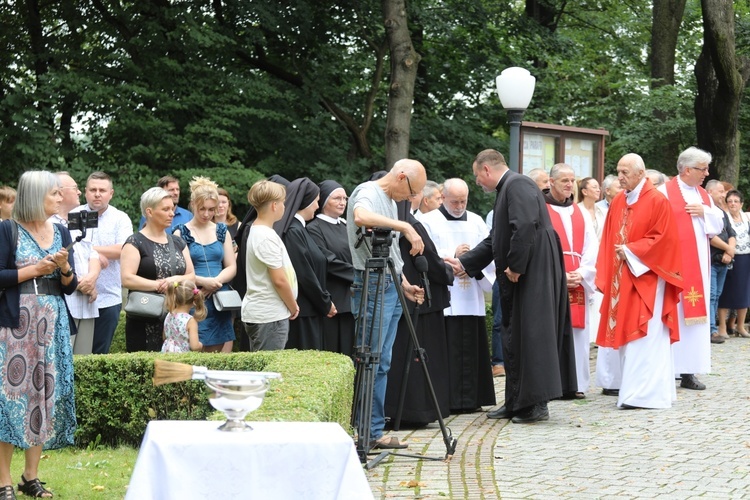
(328, 230)
(310, 264)
(419, 409)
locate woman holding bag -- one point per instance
(214, 261)
(150, 261)
(36, 359)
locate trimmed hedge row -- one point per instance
(115, 397)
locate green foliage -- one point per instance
(115, 398)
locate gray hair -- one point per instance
(712, 184)
(635, 161)
(655, 174)
(33, 186)
(558, 169)
(534, 173)
(153, 197)
(455, 183)
(692, 157)
(429, 188)
(608, 181)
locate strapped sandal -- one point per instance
(34, 488)
(7, 493)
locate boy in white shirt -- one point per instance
(270, 301)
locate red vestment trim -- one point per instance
(572, 259)
(693, 294)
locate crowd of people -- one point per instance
(652, 269)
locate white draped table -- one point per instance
(276, 460)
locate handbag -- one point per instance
(224, 300)
(150, 305)
(147, 305)
(227, 300)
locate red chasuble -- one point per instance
(572, 258)
(693, 298)
(648, 230)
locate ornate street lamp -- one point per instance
(515, 86)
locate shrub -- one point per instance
(115, 397)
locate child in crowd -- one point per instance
(7, 199)
(180, 328)
(271, 297)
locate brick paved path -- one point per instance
(590, 449)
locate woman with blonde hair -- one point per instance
(224, 213)
(151, 260)
(214, 260)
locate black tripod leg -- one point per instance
(448, 439)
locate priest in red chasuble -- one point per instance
(698, 220)
(580, 246)
(639, 271)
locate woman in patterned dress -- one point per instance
(37, 408)
(145, 265)
(214, 261)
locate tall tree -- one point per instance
(404, 63)
(665, 31)
(721, 76)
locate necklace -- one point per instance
(42, 236)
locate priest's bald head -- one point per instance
(489, 167)
(630, 171)
(455, 196)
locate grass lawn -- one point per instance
(73, 473)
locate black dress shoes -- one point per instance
(535, 413)
(611, 392)
(690, 382)
(501, 412)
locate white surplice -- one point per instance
(467, 294)
(587, 269)
(692, 354)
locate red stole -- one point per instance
(693, 296)
(572, 258)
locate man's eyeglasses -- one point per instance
(704, 169)
(411, 191)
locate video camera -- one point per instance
(380, 240)
(83, 220)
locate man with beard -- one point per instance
(536, 323)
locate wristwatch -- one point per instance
(68, 274)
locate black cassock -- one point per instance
(338, 332)
(313, 299)
(430, 329)
(537, 336)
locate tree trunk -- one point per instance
(721, 76)
(665, 29)
(404, 63)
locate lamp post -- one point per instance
(515, 87)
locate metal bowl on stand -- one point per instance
(236, 394)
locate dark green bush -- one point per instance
(116, 399)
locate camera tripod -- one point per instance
(369, 340)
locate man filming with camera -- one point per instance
(373, 205)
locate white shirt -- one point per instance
(114, 228)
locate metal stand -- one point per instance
(367, 356)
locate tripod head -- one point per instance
(380, 240)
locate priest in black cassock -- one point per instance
(419, 409)
(310, 265)
(533, 292)
(328, 230)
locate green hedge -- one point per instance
(115, 397)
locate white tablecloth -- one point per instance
(276, 460)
